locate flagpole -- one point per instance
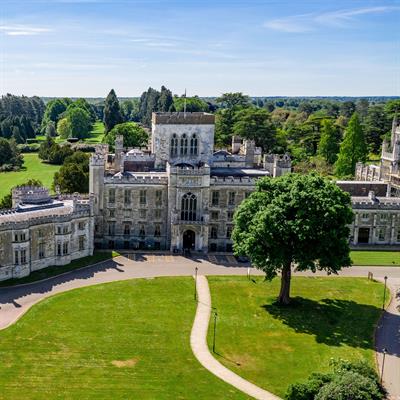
(184, 106)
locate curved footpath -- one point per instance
(198, 343)
(15, 301)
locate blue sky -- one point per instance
(270, 47)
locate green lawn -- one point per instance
(97, 133)
(60, 269)
(376, 258)
(33, 169)
(122, 340)
(273, 346)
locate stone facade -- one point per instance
(389, 168)
(41, 231)
(180, 194)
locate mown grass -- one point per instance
(274, 346)
(378, 258)
(33, 168)
(60, 269)
(122, 340)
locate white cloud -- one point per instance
(23, 30)
(310, 22)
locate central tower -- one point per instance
(182, 138)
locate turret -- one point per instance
(96, 181)
(119, 149)
(249, 147)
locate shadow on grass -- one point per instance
(333, 322)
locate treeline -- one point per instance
(20, 117)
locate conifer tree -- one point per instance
(353, 149)
(329, 143)
(112, 111)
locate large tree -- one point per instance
(294, 220)
(255, 124)
(329, 144)
(377, 124)
(9, 154)
(73, 176)
(112, 111)
(134, 135)
(353, 149)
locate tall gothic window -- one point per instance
(184, 145)
(174, 146)
(188, 207)
(193, 145)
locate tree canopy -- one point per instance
(112, 111)
(134, 135)
(353, 149)
(294, 219)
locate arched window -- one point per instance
(188, 207)
(174, 146)
(193, 145)
(184, 145)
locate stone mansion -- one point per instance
(176, 194)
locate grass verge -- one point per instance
(60, 269)
(273, 346)
(121, 340)
(378, 258)
(33, 169)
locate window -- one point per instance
(213, 247)
(157, 230)
(231, 198)
(214, 232)
(158, 197)
(19, 237)
(193, 145)
(398, 235)
(174, 146)
(365, 217)
(111, 244)
(65, 248)
(142, 214)
(59, 230)
(127, 197)
(59, 249)
(111, 228)
(112, 213)
(184, 145)
(143, 197)
(16, 257)
(16, 237)
(230, 215)
(157, 214)
(381, 233)
(188, 207)
(383, 217)
(229, 231)
(214, 215)
(81, 226)
(23, 256)
(66, 229)
(142, 232)
(111, 195)
(127, 229)
(41, 250)
(215, 198)
(81, 242)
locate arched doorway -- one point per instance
(189, 239)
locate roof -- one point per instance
(181, 118)
(239, 172)
(56, 208)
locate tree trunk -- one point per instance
(284, 295)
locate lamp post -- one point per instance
(383, 364)
(215, 329)
(384, 294)
(195, 283)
